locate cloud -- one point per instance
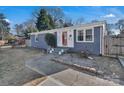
(117, 12)
(109, 16)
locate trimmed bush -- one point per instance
(50, 39)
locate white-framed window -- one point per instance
(89, 35)
(85, 35)
(36, 38)
(80, 35)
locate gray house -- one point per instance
(86, 37)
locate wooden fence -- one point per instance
(114, 45)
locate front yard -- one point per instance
(110, 68)
(12, 66)
(13, 70)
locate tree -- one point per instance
(4, 22)
(50, 39)
(27, 31)
(93, 21)
(68, 22)
(56, 16)
(109, 28)
(10, 37)
(56, 13)
(1, 31)
(19, 29)
(51, 22)
(79, 21)
(4, 26)
(120, 25)
(25, 28)
(43, 21)
(29, 27)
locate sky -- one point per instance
(20, 14)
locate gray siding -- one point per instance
(93, 48)
(41, 41)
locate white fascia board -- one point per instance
(84, 26)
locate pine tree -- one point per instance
(42, 20)
(51, 22)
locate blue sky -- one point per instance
(111, 14)
(19, 14)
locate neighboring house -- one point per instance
(20, 39)
(87, 37)
(2, 42)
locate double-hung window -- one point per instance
(80, 35)
(89, 35)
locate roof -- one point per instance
(100, 23)
(19, 35)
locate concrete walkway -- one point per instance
(72, 77)
(3, 47)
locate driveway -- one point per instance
(44, 65)
(12, 66)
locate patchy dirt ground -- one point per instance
(111, 67)
(12, 66)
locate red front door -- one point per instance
(64, 38)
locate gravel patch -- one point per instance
(110, 67)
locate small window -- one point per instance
(36, 38)
(89, 35)
(80, 35)
(74, 29)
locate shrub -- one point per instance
(50, 39)
(10, 38)
(83, 54)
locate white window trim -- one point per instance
(36, 36)
(84, 31)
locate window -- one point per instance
(36, 38)
(85, 35)
(89, 35)
(80, 35)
